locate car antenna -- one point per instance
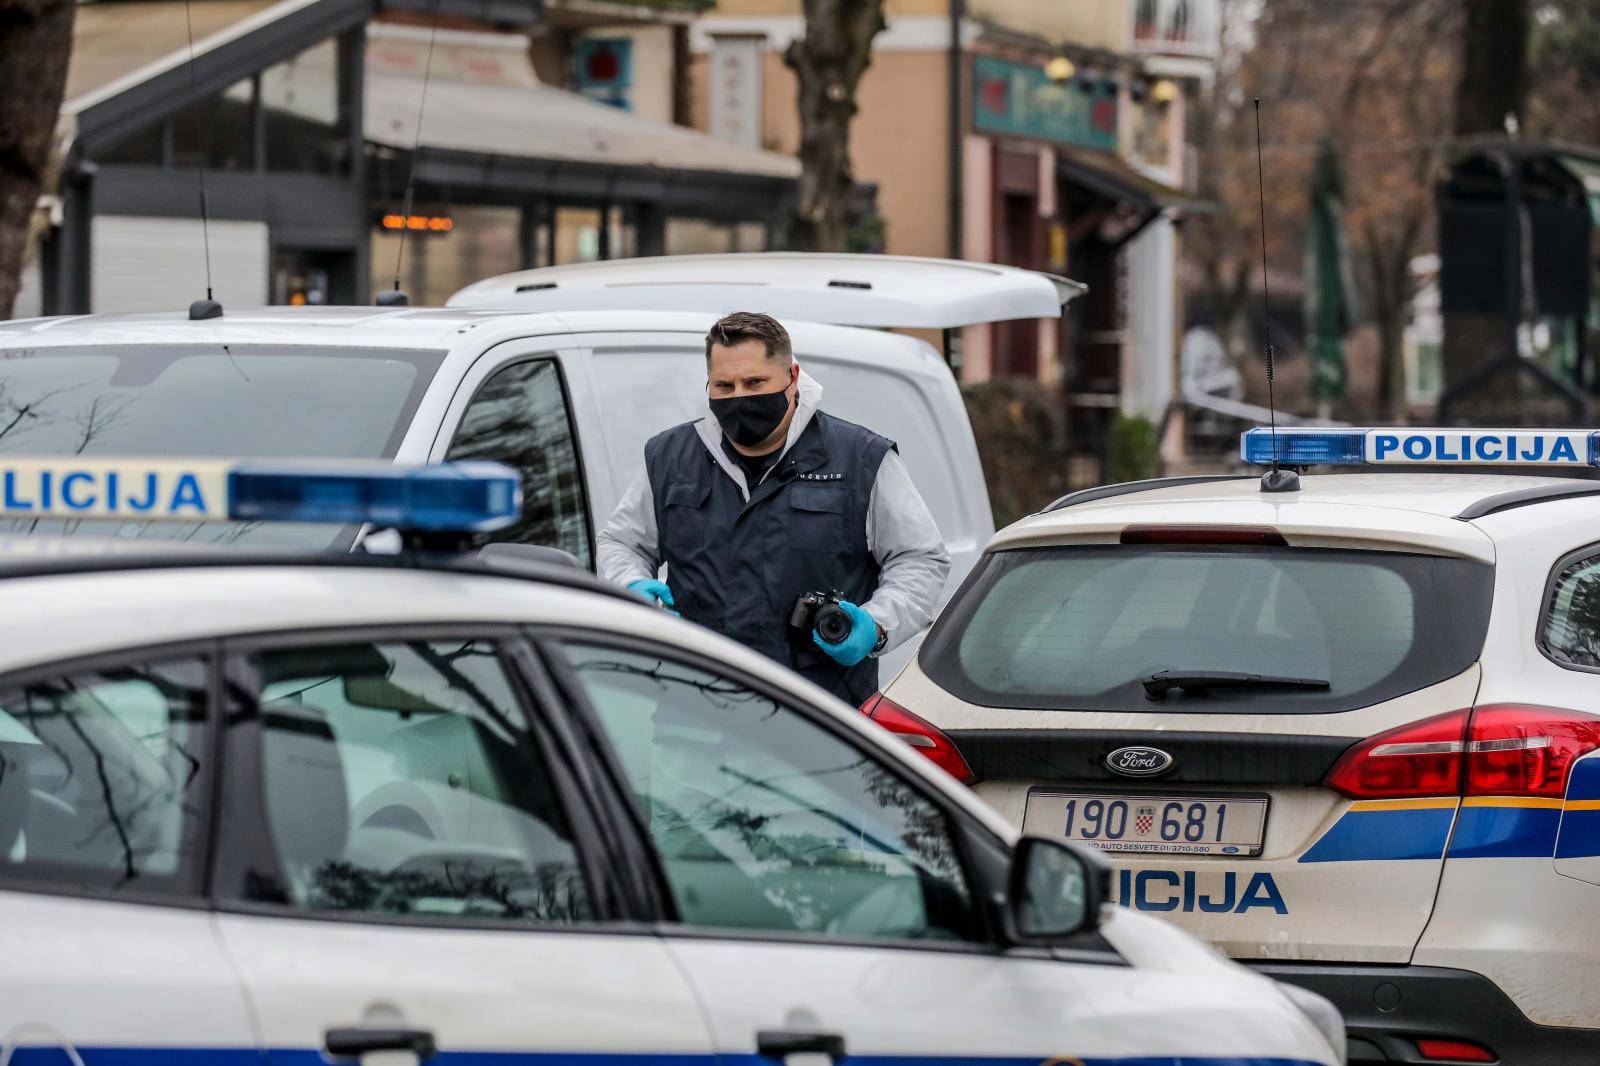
(396, 297)
(209, 307)
(1274, 480)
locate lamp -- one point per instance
(1060, 69)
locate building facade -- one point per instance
(528, 133)
(1048, 136)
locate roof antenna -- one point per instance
(1273, 480)
(395, 297)
(207, 308)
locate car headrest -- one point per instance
(13, 797)
(308, 803)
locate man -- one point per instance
(770, 498)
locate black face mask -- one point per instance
(749, 420)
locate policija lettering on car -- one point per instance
(1175, 890)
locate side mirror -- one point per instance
(1055, 891)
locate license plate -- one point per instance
(1184, 825)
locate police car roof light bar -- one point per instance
(1422, 447)
(445, 504)
(448, 498)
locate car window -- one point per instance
(520, 417)
(101, 776)
(765, 820)
(1572, 619)
(400, 779)
(1080, 628)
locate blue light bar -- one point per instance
(1303, 447)
(1422, 447)
(472, 497)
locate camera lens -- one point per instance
(833, 624)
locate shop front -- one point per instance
(304, 122)
(1048, 187)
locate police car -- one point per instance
(293, 808)
(1349, 732)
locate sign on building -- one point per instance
(1021, 100)
(736, 78)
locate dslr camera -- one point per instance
(821, 611)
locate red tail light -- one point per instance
(1526, 751)
(920, 735)
(1454, 1051)
(1419, 759)
(1504, 750)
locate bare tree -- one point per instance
(1494, 66)
(1395, 122)
(829, 60)
(35, 43)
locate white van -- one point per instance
(566, 395)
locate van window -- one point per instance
(1571, 633)
(520, 417)
(242, 401)
(102, 776)
(1081, 628)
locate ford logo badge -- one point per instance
(1139, 761)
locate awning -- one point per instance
(1110, 176)
(131, 62)
(539, 122)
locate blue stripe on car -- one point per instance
(1364, 835)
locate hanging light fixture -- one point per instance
(1060, 69)
(1164, 91)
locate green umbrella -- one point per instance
(1327, 311)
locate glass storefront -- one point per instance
(467, 243)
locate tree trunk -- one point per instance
(35, 43)
(1494, 66)
(828, 60)
(1494, 83)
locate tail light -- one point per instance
(1498, 750)
(1526, 751)
(921, 735)
(1454, 1051)
(1419, 759)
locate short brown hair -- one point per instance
(743, 326)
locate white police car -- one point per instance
(304, 808)
(1350, 732)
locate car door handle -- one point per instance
(353, 1043)
(780, 1043)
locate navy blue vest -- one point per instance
(738, 567)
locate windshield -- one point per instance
(1082, 628)
(254, 402)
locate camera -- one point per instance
(821, 611)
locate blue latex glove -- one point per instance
(651, 589)
(858, 645)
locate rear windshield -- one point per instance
(251, 402)
(1081, 628)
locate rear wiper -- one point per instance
(1157, 686)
